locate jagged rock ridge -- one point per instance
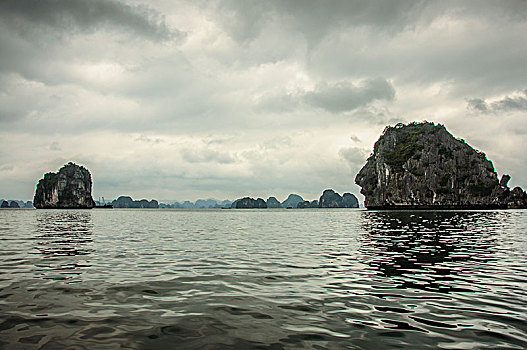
(249, 203)
(307, 204)
(292, 201)
(70, 188)
(272, 202)
(128, 202)
(421, 165)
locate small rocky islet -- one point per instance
(422, 166)
(69, 188)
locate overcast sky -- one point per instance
(196, 99)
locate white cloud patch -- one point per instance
(206, 156)
(55, 146)
(355, 157)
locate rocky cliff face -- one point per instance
(422, 165)
(69, 188)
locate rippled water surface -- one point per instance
(155, 279)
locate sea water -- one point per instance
(314, 278)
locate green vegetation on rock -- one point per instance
(405, 148)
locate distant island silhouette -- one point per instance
(328, 199)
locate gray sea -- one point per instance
(279, 279)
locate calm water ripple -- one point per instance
(281, 279)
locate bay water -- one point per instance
(279, 279)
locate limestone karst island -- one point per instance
(70, 188)
(413, 166)
(422, 166)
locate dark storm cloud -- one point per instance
(66, 16)
(477, 105)
(344, 96)
(244, 20)
(507, 104)
(384, 38)
(333, 97)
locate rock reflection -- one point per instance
(64, 233)
(64, 238)
(421, 250)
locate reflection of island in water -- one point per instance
(421, 250)
(63, 237)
